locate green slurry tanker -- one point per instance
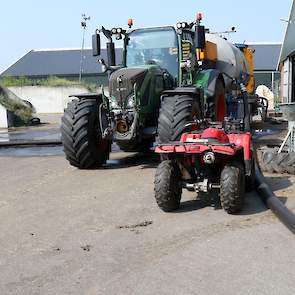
(169, 77)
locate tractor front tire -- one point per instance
(81, 136)
(232, 187)
(175, 112)
(168, 187)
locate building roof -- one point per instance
(288, 47)
(66, 62)
(57, 62)
(266, 55)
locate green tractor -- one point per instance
(176, 67)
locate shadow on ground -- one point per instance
(144, 160)
(277, 183)
(252, 204)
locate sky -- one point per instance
(36, 24)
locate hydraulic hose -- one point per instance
(272, 202)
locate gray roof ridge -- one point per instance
(12, 64)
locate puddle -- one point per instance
(42, 151)
(40, 134)
(267, 132)
(28, 134)
(32, 151)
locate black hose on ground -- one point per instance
(272, 201)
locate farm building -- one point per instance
(62, 63)
(287, 60)
(65, 63)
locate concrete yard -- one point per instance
(67, 231)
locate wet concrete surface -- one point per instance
(70, 231)
(31, 151)
(40, 133)
(31, 136)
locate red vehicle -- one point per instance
(211, 156)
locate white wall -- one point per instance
(287, 81)
(47, 99)
(3, 117)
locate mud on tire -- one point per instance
(232, 187)
(168, 187)
(81, 136)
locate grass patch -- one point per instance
(52, 81)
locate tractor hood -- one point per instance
(122, 81)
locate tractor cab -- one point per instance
(172, 49)
(155, 46)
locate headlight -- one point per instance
(130, 101)
(182, 25)
(209, 158)
(116, 31)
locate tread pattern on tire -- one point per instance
(168, 188)
(79, 135)
(175, 112)
(272, 162)
(232, 187)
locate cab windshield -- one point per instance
(153, 47)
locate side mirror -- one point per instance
(96, 44)
(200, 39)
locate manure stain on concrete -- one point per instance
(133, 226)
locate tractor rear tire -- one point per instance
(175, 112)
(168, 187)
(217, 103)
(250, 180)
(81, 137)
(232, 187)
(272, 162)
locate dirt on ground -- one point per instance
(70, 231)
